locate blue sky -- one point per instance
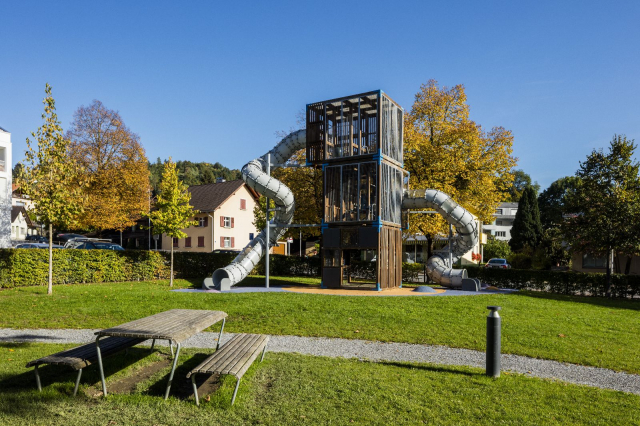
(213, 81)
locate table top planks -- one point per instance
(176, 325)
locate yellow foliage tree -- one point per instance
(116, 166)
(445, 150)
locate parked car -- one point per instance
(93, 244)
(38, 246)
(225, 251)
(37, 238)
(63, 238)
(497, 263)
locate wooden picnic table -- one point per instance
(176, 326)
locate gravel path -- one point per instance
(377, 351)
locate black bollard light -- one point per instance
(494, 323)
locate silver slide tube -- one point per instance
(255, 176)
(438, 266)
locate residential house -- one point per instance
(504, 216)
(225, 220)
(5, 188)
(21, 224)
(584, 262)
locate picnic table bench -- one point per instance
(83, 356)
(176, 326)
(235, 358)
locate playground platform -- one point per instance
(307, 289)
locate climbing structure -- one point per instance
(357, 140)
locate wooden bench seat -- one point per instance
(83, 356)
(234, 358)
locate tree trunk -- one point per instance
(609, 267)
(50, 286)
(171, 278)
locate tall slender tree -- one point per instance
(51, 178)
(172, 213)
(526, 230)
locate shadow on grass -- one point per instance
(64, 377)
(633, 305)
(181, 387)
(433, 368)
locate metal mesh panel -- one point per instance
(332, 194)
(392, 188)
(351, 192)
(391, 116)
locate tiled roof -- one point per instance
(207, 198)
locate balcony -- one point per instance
(2, 168)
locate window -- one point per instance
(499, 222)
(228, 242)
(250, 236)
(590, 261)
(498, 211)
(226, 222)
(202, 222)
(187, 242)
(243, 204)
(175, 243)
(501, 234)
(200, 241)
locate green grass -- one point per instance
(295, 389)
(588, 331)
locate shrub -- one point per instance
(26, 267)
(496, 248)
(571, 283)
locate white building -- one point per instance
(5, 188)
(500, 228)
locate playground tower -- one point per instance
(357, 140)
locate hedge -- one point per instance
(29, 267)
(26, 267)
(570, 283)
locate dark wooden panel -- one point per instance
(332, 277)
(368, 237)
(331, 238)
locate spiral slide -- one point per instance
(466, 237)
(255, 176)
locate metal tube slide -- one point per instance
(438, 266)
(255, 176)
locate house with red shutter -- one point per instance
(225, 218)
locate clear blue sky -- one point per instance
(214, 80)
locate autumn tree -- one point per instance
(172, 212)
(51, 178)
(116, 168)
(605, 204)
(445, 150)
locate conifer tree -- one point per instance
(526, 230)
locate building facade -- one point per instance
(225, 218)
(5, 188)
(504, 216)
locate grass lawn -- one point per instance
(295, 389)
(582, 330)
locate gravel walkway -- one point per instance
(377, 351)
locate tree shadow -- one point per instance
(630, 304)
